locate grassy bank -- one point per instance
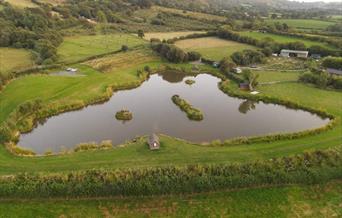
(294, 201)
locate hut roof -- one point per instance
(153, 142)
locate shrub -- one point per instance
(248, 57)
(333, 62)
(190, 81)
(124, 115)
(124, 48)
(194, 56)
(170, 52)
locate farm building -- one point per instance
(153, 142)
(315, 56)
(334, 71)
(293, 53)
(244, 86)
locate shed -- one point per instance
(153, 142)
(293, 53)
(335, 71)
(315, 56)
(244, 86)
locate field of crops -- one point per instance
(295, 201)
(12, 59)
(212, 47)
(303, 24)
(77, 48)
(284, 39)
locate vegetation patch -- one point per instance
(191, 112)
(124, 115)
(107, 144)
(12, 60)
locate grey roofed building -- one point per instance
(153, 142)
(293, 53)
(334, 71)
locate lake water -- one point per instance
(153, 112)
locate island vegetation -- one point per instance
(191, 112)
(124, 115)
(190, 82)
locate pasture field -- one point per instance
(322, 200)
(66, 90)
(77, 48)
(212, 47)
(12, 59)
(169, 35)
(284, 39)
(303, 24)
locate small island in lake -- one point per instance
(191, 112)
(124, 115)
(190, 82)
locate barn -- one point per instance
(293, 53)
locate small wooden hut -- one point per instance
(153, 142)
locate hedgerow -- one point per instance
(308, 168)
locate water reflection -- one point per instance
(246, 106)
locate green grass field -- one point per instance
(211, 47)
(77, 48)
(12, 59)
(303, 24)
(65, 90)
(284, 39)
(277, 76)
(323, 200)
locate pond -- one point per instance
(153, 112)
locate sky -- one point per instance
(318, 0)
